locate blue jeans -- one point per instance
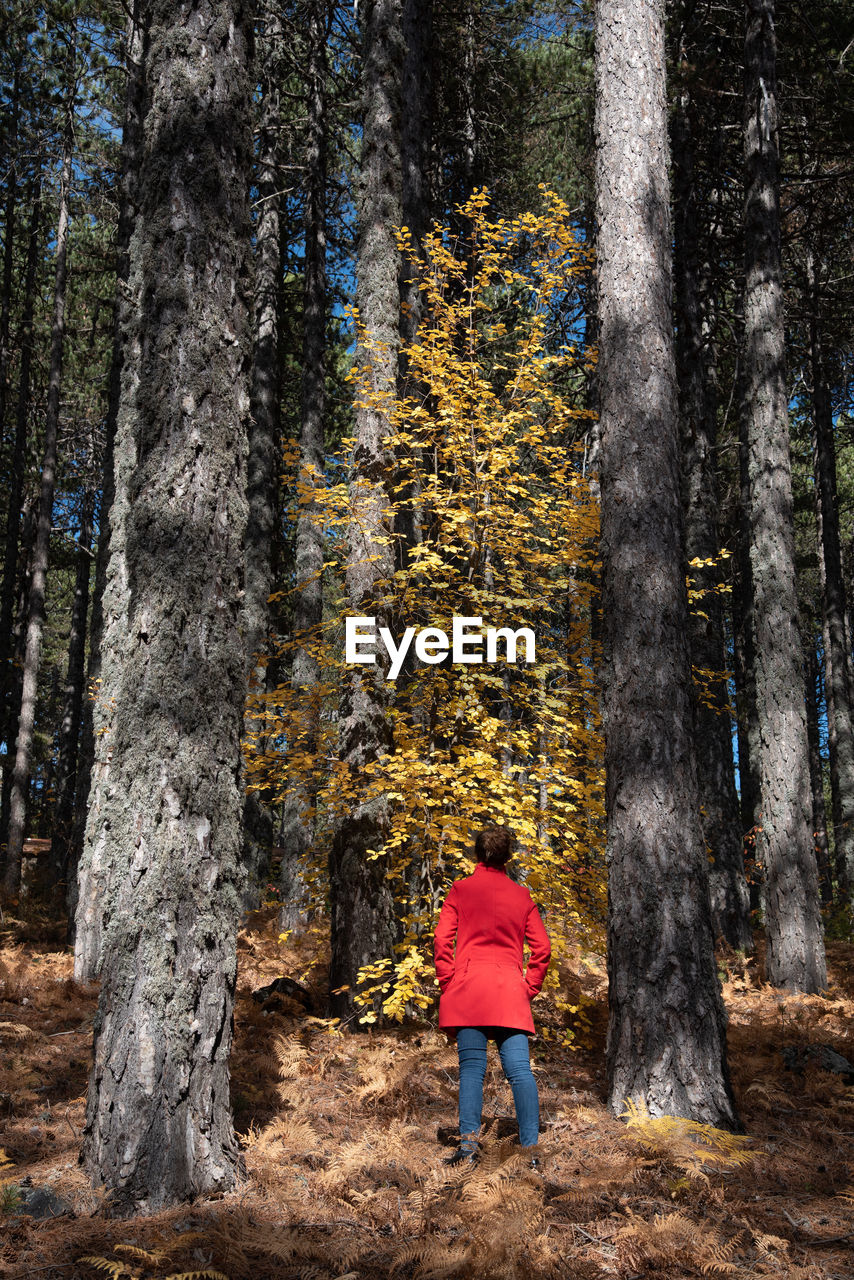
(513, 1048)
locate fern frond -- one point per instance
(117, 1270)
(18, 1031)
(688, 1143)
(207, 1274)
(153, 1258)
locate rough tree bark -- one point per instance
(158, 1122)
(720, 816)
(819, 808)
(87, 888)
(361, 905)
(69, 728)
(795, 954)
(666, 1034)
(265, 433)
(41, 551)
(833, 598)
(298, 824)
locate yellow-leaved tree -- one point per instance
(486, 453)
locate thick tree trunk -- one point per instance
(41, 552)
(298, 823)
(158, 1123)
(87, 896)
(69, 729)
(819, 808)
(666, 1034)
(720, 817)
(795, 954)
(834, 602)
(361, 905)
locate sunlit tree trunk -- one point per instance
(795, 952)
(666, 1035)
(88, 895)
(158, 1120)
(819, 809)
(361, 906)
(69, 728)
(41, 552)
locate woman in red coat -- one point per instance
(486, 992)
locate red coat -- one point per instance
(483, 984)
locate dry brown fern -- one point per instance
(672, 1240)
(147, 1264)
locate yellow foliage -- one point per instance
(484, 447)
(691, 1146)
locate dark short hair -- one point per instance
(492, 846)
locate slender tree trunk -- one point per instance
(265, 434)
(298, 824)
(833, 592)
(69, 729)
(721, 824)
(361, 905)
(8, 256)
(819, 809)
(795, 955)
(35, 623)
(87, 888)
(16, 481)
(666, 1035)
(158, 1123)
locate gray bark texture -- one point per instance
(265, 434)
(158, 1120)
(834, 602)
(298, 825)
(41, 550)
(719, 810)
(819, 808)
(795, 950)
(361, 905)
(88, 897)
(72, 708)
(666, 1034)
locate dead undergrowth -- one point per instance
(344, 1135)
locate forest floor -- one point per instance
(344, 1136)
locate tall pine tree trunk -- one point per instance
(41, 552)
(298, 826)
(88, 896)
(8, 714)
(666, 1035)
(819, 809)
(8, 254)
(833, 594)
(361, 905)
(265, 436)
(158, 1122)
(721, 824)
(795, 954)
(69, 729)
